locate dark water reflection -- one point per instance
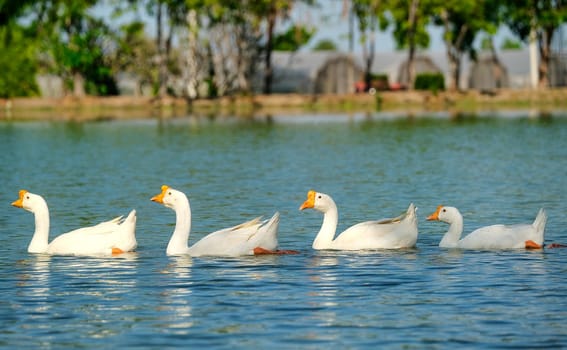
(496, 170)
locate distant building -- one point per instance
(517, 64)
(422, 64)
(387, 63)
(558, 70)
(513, 66)
(336, 72)
(312, 73)
(488, 74)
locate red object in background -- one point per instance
(360, 86)
(397, 86)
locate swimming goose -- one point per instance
(251, 237)
(111, 237)
(399, 232)
(490, 237)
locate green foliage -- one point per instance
(84, 54)
(134, 53)
(212, 90)
(486, 44)
(295, 37)
(541, 16)
(430, 81)
(74, 43)
(17, 64)
(400, 12)
(371, 15)
(11, 10)
(521, 15)
(325, 45)
(511, 44)
(82, 51)
(462, 21)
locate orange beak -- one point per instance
(158, 198)
(19, 203)
(310, 202)
(435, 216)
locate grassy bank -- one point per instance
(124, 107)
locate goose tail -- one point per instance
(540, 221)
(411, 213)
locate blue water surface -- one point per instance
(494, 168)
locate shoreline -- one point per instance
(128, 107)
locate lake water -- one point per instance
(494, 169)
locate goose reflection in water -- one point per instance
(110, 279)
(175, 309)
(34, 279)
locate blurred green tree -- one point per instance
(134, 53)
(411, 18)
(74, 44)
(18, 52)
(510, 44)
(462, 20)
(325, 45)
(540, 19)
(370, 15)
(294, 38)
(18, 63)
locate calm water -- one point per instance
(496, 170)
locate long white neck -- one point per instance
(178, 244)
(324, 238)
(40, 237)
(453, 235)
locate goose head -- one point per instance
(29, 201)
(318, 201)
(169, 197)
(445, 214)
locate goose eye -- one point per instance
(169, 193)
(27, 197)
(319, 197)
(444, 210)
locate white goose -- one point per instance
(490, 237)
(399, 232)
(251, 237)
(111, 237)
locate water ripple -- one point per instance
(496, 171)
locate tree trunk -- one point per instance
(368, 58)
(411, 41)
(268, 62)
(454, 51)
(453, 83)
(166, 58)
(191, 59)
(545, 55)
(457, 74)
(78, 85)
(242, 59)
(369, 61)
(533, 58)
(162, 67)
(212, 88)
